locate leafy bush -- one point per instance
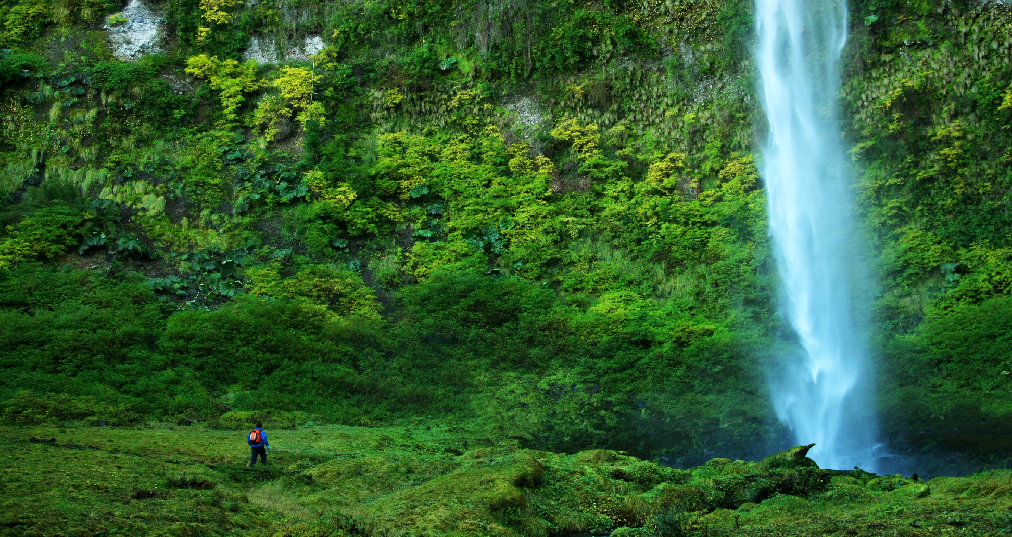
(462, 301)
(184, 17)
(24, 23)
(16, 67)
(207, 178)
(238, 420)
(228, 77)
(971, 345)
(570, 45)
(119, 77)
(295, 87)
(253, 337)
(29, 408)
(46, 234)
(340, 290)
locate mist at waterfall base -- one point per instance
(823, 392)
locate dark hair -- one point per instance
(260, 426)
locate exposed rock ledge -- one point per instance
(139, 35)
(266, 50)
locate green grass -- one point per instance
(333, 480)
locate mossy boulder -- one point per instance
(887, 483)
(911, 491)
(848, 493)
(510, 491)
(737, 482)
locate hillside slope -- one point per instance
(543, 217)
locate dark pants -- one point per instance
(262, 451)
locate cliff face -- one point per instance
(928, 96)
(541, 216)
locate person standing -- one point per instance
(258, 443)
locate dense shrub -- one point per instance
(971, 346)
(118, 77)
(46, 234)
(16, 67)
(24, 23)
(570, 45)
(28, 408)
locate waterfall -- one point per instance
(823, 393)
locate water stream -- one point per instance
(823, 392)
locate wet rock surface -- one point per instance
(139, 35)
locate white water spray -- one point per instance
(822, 395)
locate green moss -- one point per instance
(360, 481)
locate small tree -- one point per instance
(294, 86)
(228, 77)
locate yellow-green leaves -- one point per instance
(898, 92)
(522, 165)
(739, 175)
(474, 196)
(214, 10)
(228, 77)
(295, 88)
(214, 13)
(14, 251)
(268, 115)
(338, 195)
(116, 19)
(465, 107)
(1006, 101)
(296, 85)
(24, 22)
(393, 97)
(662, 174)
(585, 138)
(407, 159)
(340, 291)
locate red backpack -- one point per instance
(254, 437)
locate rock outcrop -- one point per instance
(139, 35)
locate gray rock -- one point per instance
(141, 34)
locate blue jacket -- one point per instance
(263, 440)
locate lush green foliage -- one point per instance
(543, 216)
(23, 22)
(15, 67)
(931, 136)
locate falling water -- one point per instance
(821, 394)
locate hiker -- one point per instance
(258, 443)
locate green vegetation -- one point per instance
(444, 480)
(931, 134)
(371, 237)
(540, 222)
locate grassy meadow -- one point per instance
(442, 481)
